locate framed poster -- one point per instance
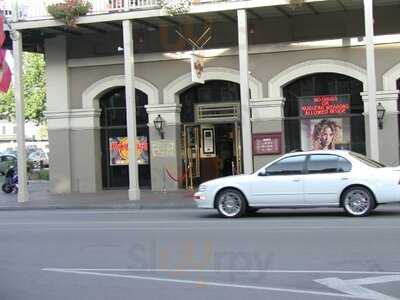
(118, 147)
(267, 143)
(325, 134)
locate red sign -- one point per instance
(267, 143)
(316, 106)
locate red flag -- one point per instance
(2, 34)
(5, 72)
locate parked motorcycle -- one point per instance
(10, 181)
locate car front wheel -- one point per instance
(358, 201)
(231, 204)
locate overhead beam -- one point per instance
(227, 17)
(312, 8)
(66, 31)
(341, 5)
(171, 21)
(114, 25)
(146, 24)
(94, 29)
(254, 14)
(283, 12)
(200, 19)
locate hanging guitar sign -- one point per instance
(196, 59)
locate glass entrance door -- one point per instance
(237, 149)
(191, 155)
(211, 151)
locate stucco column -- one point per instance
(389, 135)
(370, 53)
(20, 117)
(244, 91)
(267, 117)
(165, 154)
(83, 127)
(129, 66)
(58, 99)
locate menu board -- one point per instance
(267, 143)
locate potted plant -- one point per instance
(295, 3)
(69, 10)
(176, 7)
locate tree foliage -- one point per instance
(34, 91)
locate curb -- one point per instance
(130, 207)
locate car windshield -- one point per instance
(367, 161)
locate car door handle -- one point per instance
(296, 180)
(345, 178)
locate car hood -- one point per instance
(232, 178)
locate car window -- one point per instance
(287, 166)
(9, 158)
(343, 165)
(326, 163)
(367, 161)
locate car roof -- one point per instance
(342, 152)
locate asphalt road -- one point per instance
(194, 254)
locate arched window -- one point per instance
(305, 130)
(212, 91)
(115, 171)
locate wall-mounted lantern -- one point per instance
(380, 110)
(159, 124)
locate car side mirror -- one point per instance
(263, 173)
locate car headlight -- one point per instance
(202, 188)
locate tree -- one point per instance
(34, 91)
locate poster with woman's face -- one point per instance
(325, 134)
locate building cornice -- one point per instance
(73, 119)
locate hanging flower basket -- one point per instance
(69, 10)
(293, 4)
(176, 7)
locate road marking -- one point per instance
(205, 283)
(353, 287)
(374, 280)
(350, 288)
(224, 271)
(57, 227)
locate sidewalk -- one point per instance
(41, 198)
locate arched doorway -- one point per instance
(115, 171)
(211, 135)
(335, 121)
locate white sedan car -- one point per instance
(305, 179)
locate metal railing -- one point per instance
(30, 10)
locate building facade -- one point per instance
(277, 79)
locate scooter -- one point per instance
(11, 181)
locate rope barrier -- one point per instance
(176, 179)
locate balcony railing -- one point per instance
(30, 10)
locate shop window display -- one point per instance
(114, 142)
(324, 111)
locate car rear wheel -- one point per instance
(358, 201)
(231, 203)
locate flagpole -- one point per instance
(19, 109)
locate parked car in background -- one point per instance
(333, 178)
(39, 158)
(10, 160)
(7, 161)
